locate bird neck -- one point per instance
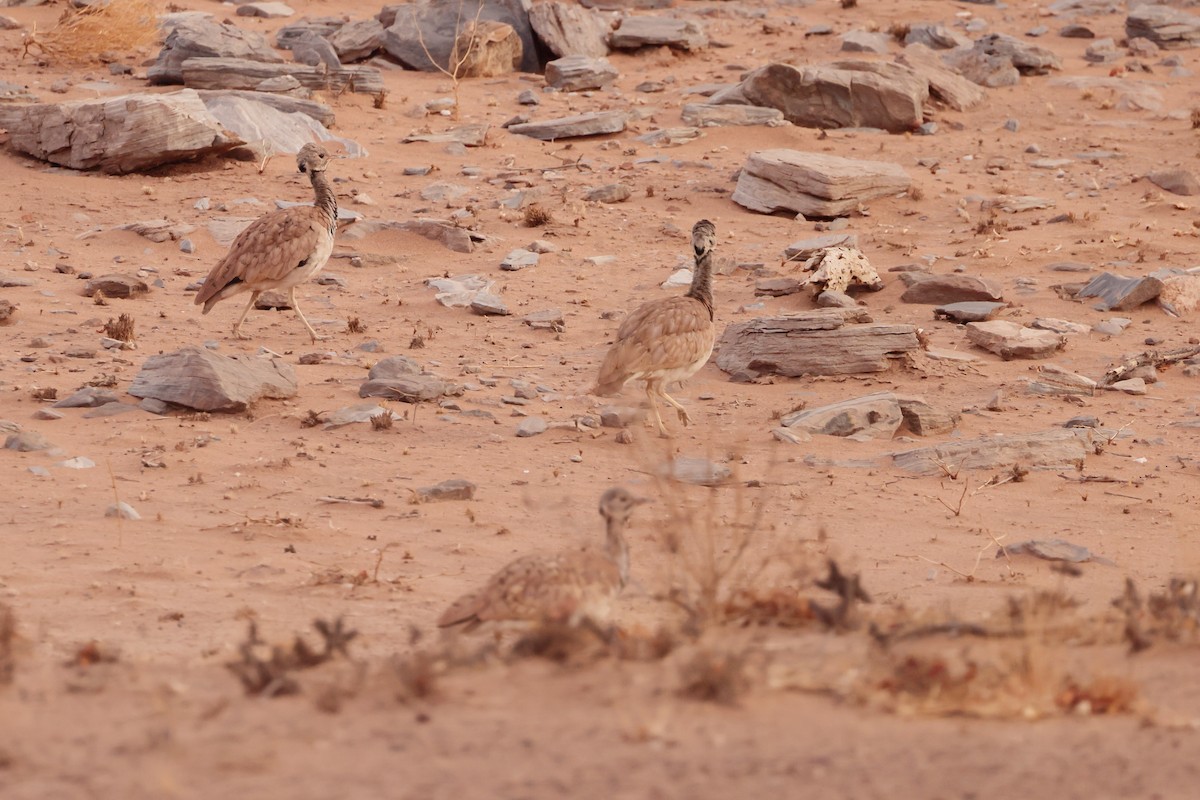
(325, 199)
(617, 548)
(702, 281)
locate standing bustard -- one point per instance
(568, 587)
(667, 340)
(279, 250)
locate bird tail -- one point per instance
(464, 609)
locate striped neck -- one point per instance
(702, 280)
(325, 200)
(616, 547)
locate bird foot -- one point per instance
(684, 417)
(237, 334)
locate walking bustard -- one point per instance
(279, 250)
(570, 587)
(666, 340)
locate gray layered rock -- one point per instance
(1167, 27)
(580, 73)
(593, 123)
(569, 30)
(357, 40)
(205, 38)
(678, 34)
(417, 31)
(198, 378)
(813, 184)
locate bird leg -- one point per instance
(237, 326)
(684, 417)
(300, 314)
(651, 390)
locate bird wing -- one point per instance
(267, 251)
(671, 333)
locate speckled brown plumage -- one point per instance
(566, 587)
(279, 250)
(666, 340)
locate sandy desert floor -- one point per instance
(124, 629)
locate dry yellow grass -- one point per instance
(87, 34)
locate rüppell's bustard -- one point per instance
(572, 587)
(279, 250)
(666, 340)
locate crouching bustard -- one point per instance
(279, 250)
(666, 340)
(573, 587)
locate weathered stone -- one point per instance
(120, 286)
(846, 94)
(488, 304)
(453, 489)
(313, 50)
(813, 184)
(474, 135)
(1120, 293)
(970, 311)
(280, 102)
(823, 342)
(832, 299)
(117, 134)
(696, 471)
(7, 309)
(621, 416)
(195, 377)
(865, 42)
(1010, 340)
(206, 38)
(1129, 386)
(778, 287)
(935, 37)
(1058, 325)
(1057, 448)
(27, 442)
(531, 426)
(579, 73)
(406, 388)
(394, 367)
(875, 416)
(487, 48)
(944, 289)
(1055, 381)
(234, 73)
(1103, 51)
(1027, 58)
(269, 131)
(269, 10)
(669, 137)
(360, 412)
(646, 31)
(609, 193)
(88, 397)
(985, 70)
(593, 123)
(417, 32)
(569, 30)
(1167, 27)
(287, 36)
(836, 269)
(705, 115)
(1175, 181)
(550, 319)
(357, 40)
(924, 419)
(519, 259)
(453, 238)
(944, 84)
(1180, 295)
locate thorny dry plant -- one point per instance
(8, 636)
(96, 31)
(1173, 614)
(457, 60)
(266, 670)
(120, 329)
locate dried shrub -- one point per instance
(120, 329)
(714, 676)
(354, 325)
(1173, 614)
(899, 31)
(1195, 118)
(87, 34)
(266, 670)
(311, 419)
(381, 421)
(536, 216)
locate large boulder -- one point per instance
(422, 35)
(117, 134)
(569, 30)
(813, 184)
(206, 381)
(203, 38)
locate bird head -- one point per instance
(704, 236)
(312, 158)
(618, 503)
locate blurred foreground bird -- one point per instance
(666, 340)
(571, 587)
(279, 250)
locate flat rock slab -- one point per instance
(357, 40)
(1052, 550)
(926, 419)
(943, 289)
(474, 135)
(124, 287)
(266, 10)
(848, 94)
(593, 123)
(206, 38)
(705, 115)
(647, 31)
(360, 412)
(977, 311)
(1176, 181)
(445, 233)
(1167, 27)
(874, 416)
(407, 388)
(1010, 340)
(237, 73)
(1055, 381)
(394, 367)
(280, 102)
(1118, 293)
(823, 342)
(453, 489)
(1057, 449)
(269, 130)
(807, 248)
(195, 377)
(944, 83)
(579, 73)
(568, 29)
(118, 134)
(422, 35)
(813, 184)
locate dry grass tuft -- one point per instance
(536, 216)
(381, 421)
(8, 636)
(120, 329)
(266, 670)
(1195, 118)
(1173, 614)
(354, 325)
(93, 32)
(714, 676)
(899, 31)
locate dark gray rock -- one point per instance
(358, 40)
(205, 38)
(945, 289)
(195, 377)
(420, 30)
(1120, 293)
(977, 311)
